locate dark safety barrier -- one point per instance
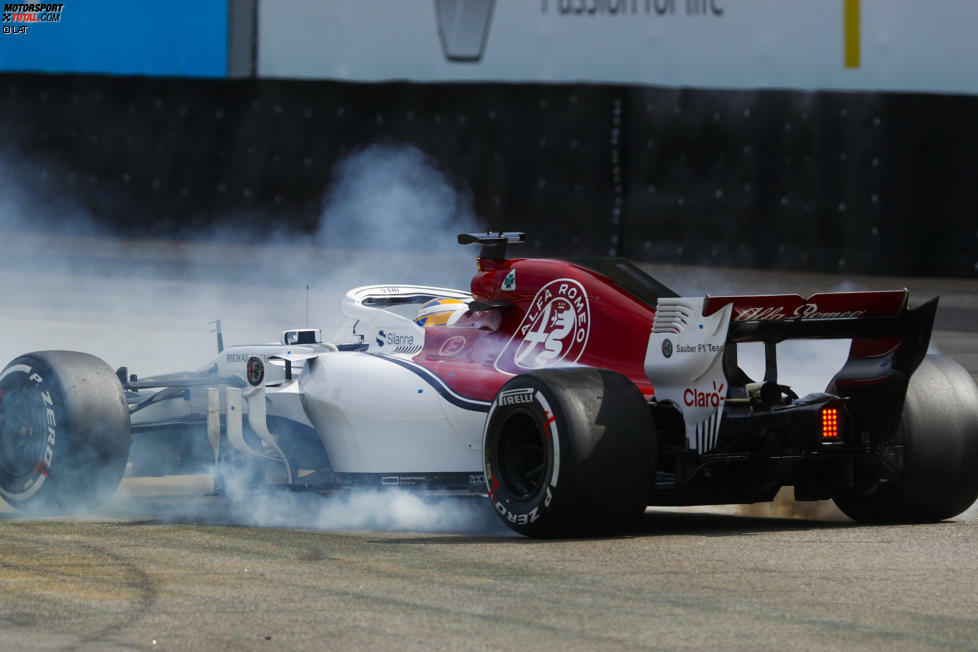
(858, 182)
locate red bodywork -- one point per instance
(561, 314)
(825, 305)
(556, 313)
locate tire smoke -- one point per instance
(395, 510)
(389, 216)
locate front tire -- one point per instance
(939, 432)
(566, 449)
(64, 432)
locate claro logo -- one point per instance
(463, 27)
(693, 397)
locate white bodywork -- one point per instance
(378, 412)
(375, 416)
(373, 408)
(684, 361)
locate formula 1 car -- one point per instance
(570, 392)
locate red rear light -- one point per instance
(830, 424)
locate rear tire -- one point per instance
(939, 432)
(567, 450)
(64, 432)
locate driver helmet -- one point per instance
(441, 312)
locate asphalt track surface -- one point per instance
(164, 566)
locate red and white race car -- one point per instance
(570, 392)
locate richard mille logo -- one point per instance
(463, 26)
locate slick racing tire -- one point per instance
(568, 450)
(939, 432)
(64, 432)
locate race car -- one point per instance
(570, 392)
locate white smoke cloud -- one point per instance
(364, 509)
(393, 199)
(388, 216)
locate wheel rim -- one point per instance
(23, 429)
(522, 456)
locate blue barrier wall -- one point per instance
(107, 37)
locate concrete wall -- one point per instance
(891, 45)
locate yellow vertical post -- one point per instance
(850, 12)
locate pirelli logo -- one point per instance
(516, 397)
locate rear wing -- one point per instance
(691, 359)
(836, 315)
